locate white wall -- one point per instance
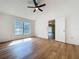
(7, 27)
(59, 8)
(4, 28)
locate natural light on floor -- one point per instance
(19, 41)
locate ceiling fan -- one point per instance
(37, 7)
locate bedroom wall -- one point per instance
(4, 28)
(59, 8)
(7, 27)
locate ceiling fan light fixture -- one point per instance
(36, 8)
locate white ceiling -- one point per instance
(53, 8)
(18, 8)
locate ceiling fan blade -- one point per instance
(42, 5)
(40, 9)
(34, 10)
(30, 7)
(35, 2)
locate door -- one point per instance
(60, 29)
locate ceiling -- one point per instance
(53, 8)
(18, 8)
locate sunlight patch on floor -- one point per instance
(20, 41)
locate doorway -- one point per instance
(57, 29)
(51, 29)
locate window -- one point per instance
(18, 28)
(22, 28)
(26, 27)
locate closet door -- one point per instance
(60, 29)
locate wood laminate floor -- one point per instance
(35, 48)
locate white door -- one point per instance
(60, 29)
